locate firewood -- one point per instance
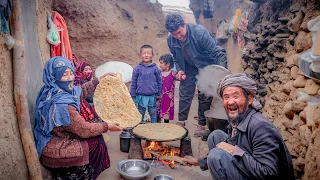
(173, 158)
(153, 153)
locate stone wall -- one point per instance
(277, 36)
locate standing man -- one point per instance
(253, 148)
(193, 48)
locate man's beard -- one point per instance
(240, 116)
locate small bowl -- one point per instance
(163, 177)
(133, 169)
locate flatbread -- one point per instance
(159, 131)
(114, 104)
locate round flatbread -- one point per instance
(159, 131)
(114, 104)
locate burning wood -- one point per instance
(166, 154)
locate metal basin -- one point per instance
(133, 169)
(163, 177)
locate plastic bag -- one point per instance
(222, 32)
(10, 42)
(314, 26)
(53, 36)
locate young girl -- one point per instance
(165, 104)
(146, 84)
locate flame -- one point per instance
(161, 149)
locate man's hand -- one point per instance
(181, 76)
(190, 160)
(106, 74)
(227, 147)
(181, 123)
(114, 127)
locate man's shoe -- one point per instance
(200, 130)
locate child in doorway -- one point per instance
(165, 105)
(146, 84)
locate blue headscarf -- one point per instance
(53, 100)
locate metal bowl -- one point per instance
(133, 169)
(163, 177)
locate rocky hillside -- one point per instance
(104, 30)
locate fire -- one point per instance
(159, 149)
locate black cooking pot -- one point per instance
(214, 124)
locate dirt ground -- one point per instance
(179, 173)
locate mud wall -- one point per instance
(13, 163)
(105, 30)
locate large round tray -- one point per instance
(158, 140)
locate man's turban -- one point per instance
(243, 81)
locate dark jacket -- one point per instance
(146, 80)
(266, 155)
(202, 48)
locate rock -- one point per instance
(294, 72)
(291, 53)
(297, 122)
(280, 55)
(280, 42)
(311, 87)
(290, 61)
(287, 87)
(312, 114)
(282, 29)
(299, 42)
(300, 82)
(287, 124)
(284, 20)
(270, 65)
(288, 46)
(295, 8)
(302, 116)
(283, 35)
(293, 107)
(250, 71)
(312, 164)
(305, 133)
(272, 49)
(262, 92)
(294, 24)
(296, 59)
(308, 42)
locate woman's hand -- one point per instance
(114, 127)
(107, 74)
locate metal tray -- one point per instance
(148, 139)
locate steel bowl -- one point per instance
(163, 177)
(133, 169)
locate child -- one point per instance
(166, 103)
(146, 83)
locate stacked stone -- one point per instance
(271, 56)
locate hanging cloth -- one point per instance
(64, 48)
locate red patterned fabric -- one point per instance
(86, 110)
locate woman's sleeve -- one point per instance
(82, 128)
(88, 88)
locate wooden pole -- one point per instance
(20, 94)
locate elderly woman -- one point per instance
(64, 139)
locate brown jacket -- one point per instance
(68, 146)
